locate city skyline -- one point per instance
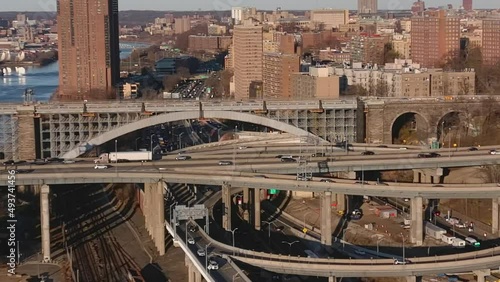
(192, 5)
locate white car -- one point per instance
(182, 158)
(98, 166)
(401, 262)
(201, 252)
(68, 162)
(494, 152)
(212, 264)
(191, 241)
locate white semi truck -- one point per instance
(115, 157)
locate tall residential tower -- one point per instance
(367, 6)
(435, 37)
(248, 52)
(89, 55)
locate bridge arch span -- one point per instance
(177, 116)
(410, 128)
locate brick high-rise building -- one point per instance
(367, 6)
(418, 7)
(434, 38)
(331, 18)
(89, 54)
(467, 4)
(248, 52)
(277, 69)
(491, 41)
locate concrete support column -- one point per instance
(326, 218)
(226, 207)
(416, 176)
(494, 215)
(416, 231)
(197, 276)
(154, 214)
(45, 222)
(481, 274)
(341, 202)
(256, 194)
(413, 278)
(148, 208)
(332, 279)
(191, 273)
(160, 219)
(246, 200)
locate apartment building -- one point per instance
(317, 83)
(491, 41)
(277, 70)
(248, 52)
(434, 38)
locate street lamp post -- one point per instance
(449, 142)
(305, 217)
(289, 244)
(116, 151)
(151, 144)
(268, 228)
(403, 237)
(171, 216)
(136, 146)
(206, 255)
(232, 232)
(179, 140)
(378, 241)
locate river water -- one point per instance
(43, 80)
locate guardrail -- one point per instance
(190, 255)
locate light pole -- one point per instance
(403, 237)
(378, 241)
(289, 244)
(206, 255)
(136, 146)
(442, 132)
(232, 232)
(179, 140)
(151, 144)
(268, 227)
(305, 217)
(171, 216)
(449, 142)
(116, 151)
(187, 221)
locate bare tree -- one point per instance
(490, 173)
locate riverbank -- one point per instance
(19, 64)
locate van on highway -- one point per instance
(472, 241)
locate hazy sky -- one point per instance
(50, 5)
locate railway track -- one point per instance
(97, 255)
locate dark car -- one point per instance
(382, 146)
(9, 162)
(288, 160)
(422, 155)
(434, 155)
(368, 153)
(473, 149)
(327, 180)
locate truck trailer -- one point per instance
(434, 231)
(117, 157)
(447, 238)
(458, 243)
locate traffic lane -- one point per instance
(337, 154)
(442, 223)
(225, 272)
(181, 233)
